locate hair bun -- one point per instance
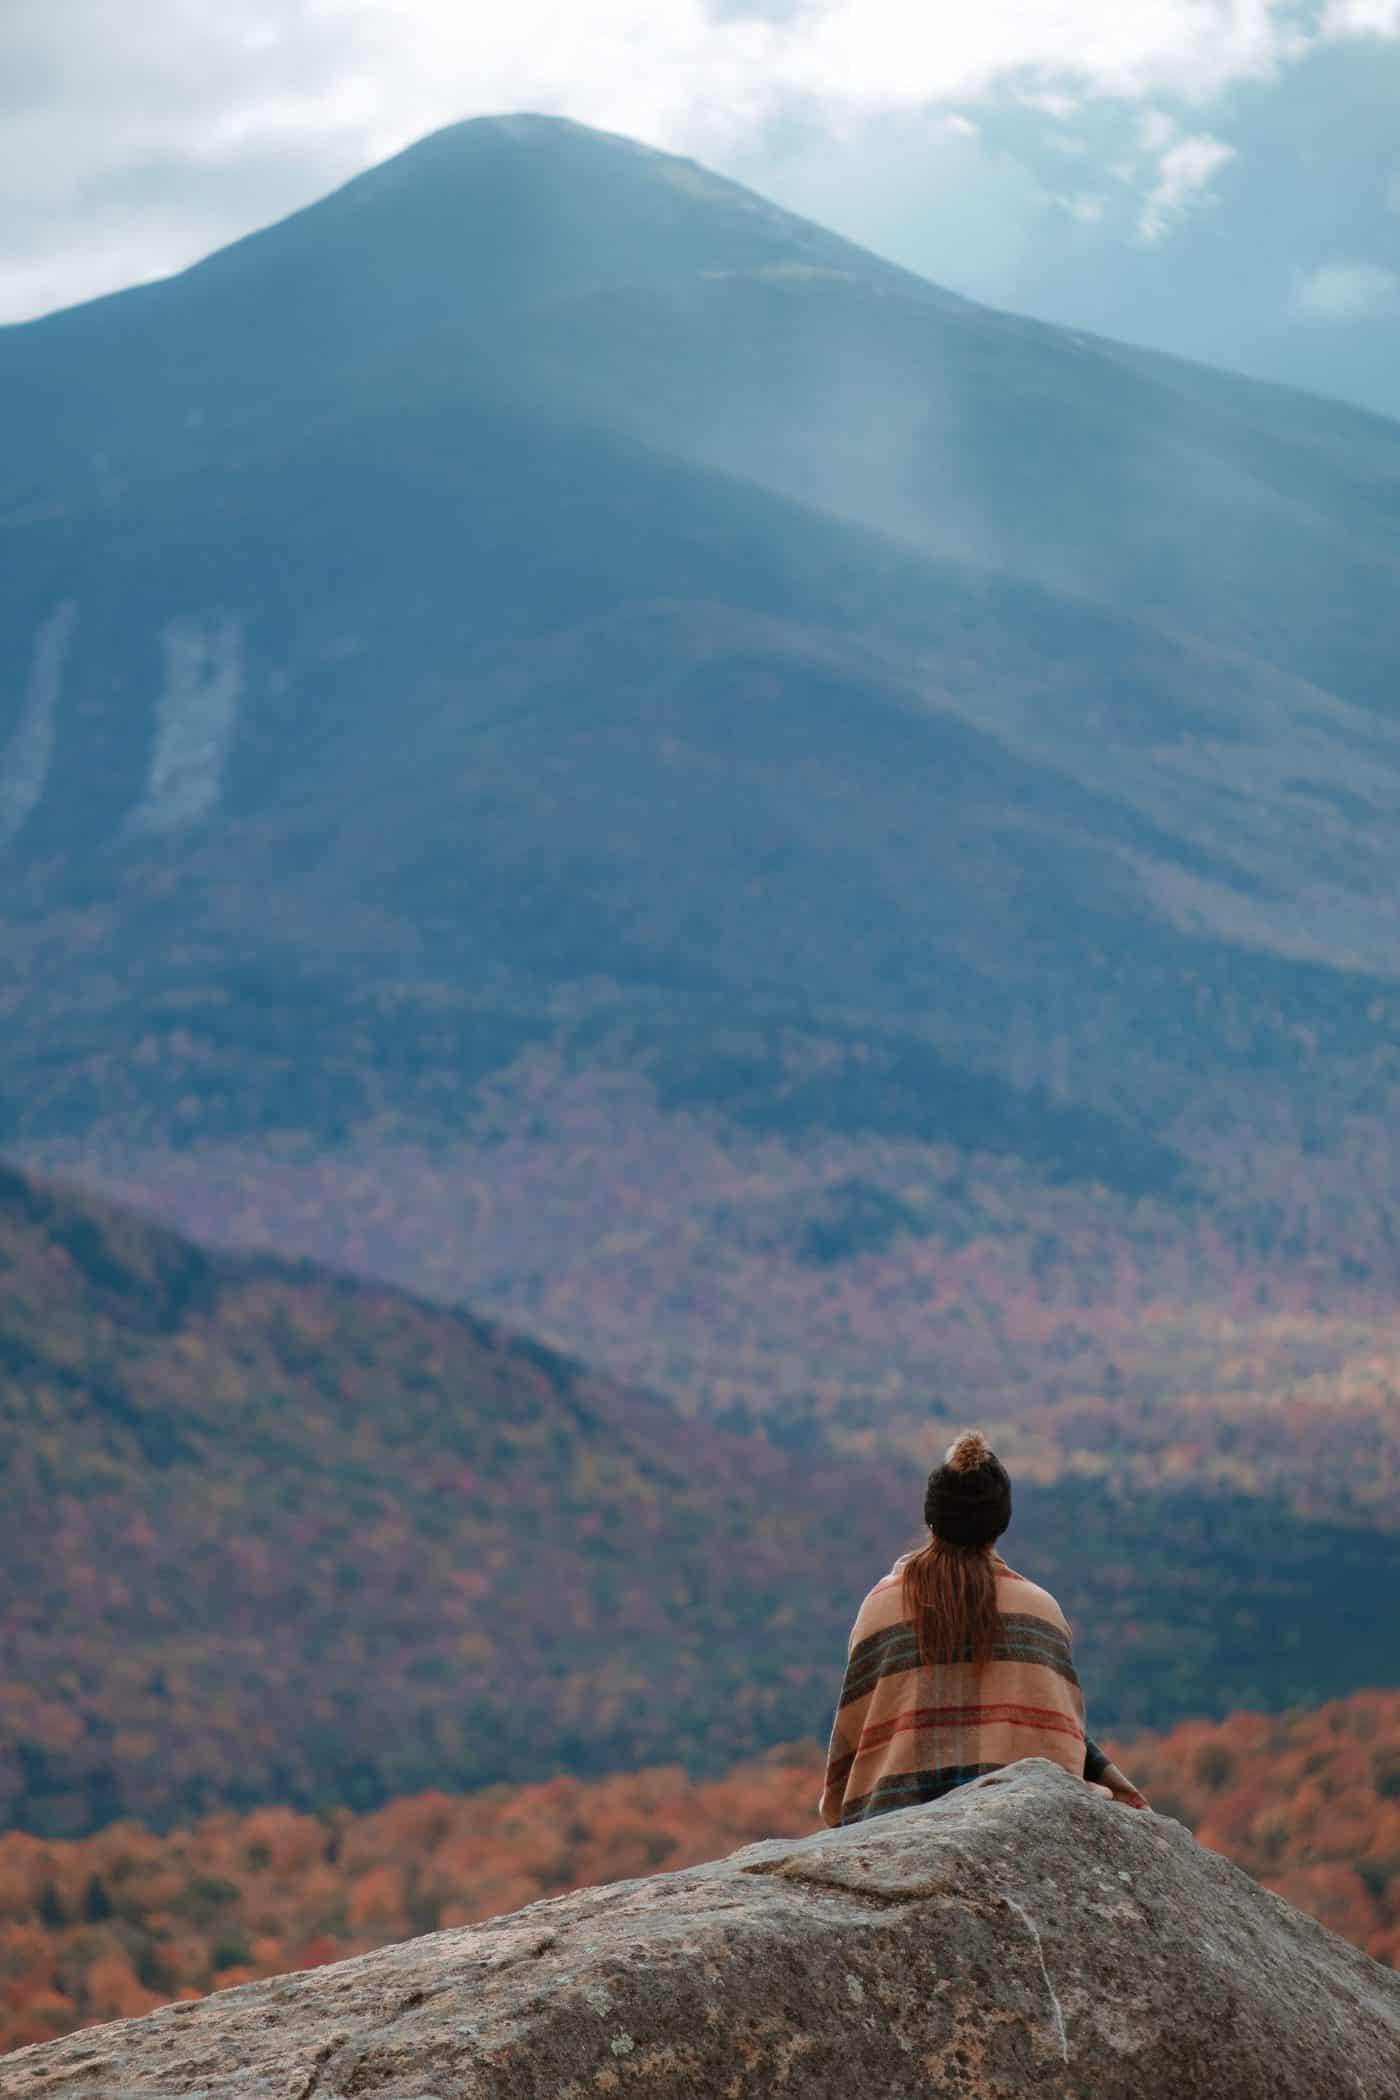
(968, 1451)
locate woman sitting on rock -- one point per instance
(957, 1665)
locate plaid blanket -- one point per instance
(906, 1732)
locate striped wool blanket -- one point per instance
(907, 1732)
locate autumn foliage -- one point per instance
(101, 1927)
(813, 1278)
(248, 1513)
(1307, 1803)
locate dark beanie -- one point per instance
(968, 1499)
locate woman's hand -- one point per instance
(1121, 1788)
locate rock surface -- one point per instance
(1023, 1937)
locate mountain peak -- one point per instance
(524, 188)
(488, 219)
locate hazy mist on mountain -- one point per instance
(1281, 258)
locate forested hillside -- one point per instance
(248, 1512)
(271, 1535)
(123, 1921)
(846, 1287)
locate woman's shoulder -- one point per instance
(883, 1601)
(1017, 1592)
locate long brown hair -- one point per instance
(949, 1589)
(950, 1593)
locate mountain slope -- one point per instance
(543, 655)
(271, 1535)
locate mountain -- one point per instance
(270, 1535)
(570, 739)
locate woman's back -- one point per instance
(956, 1664)
(909, 1729)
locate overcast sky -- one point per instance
(1218, 177)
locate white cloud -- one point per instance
(884, 51)
(1361, 18)
(1050, 101)
(1184, 174)
(1156, 130)
(1343, 291)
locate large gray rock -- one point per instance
(1022, 1937)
